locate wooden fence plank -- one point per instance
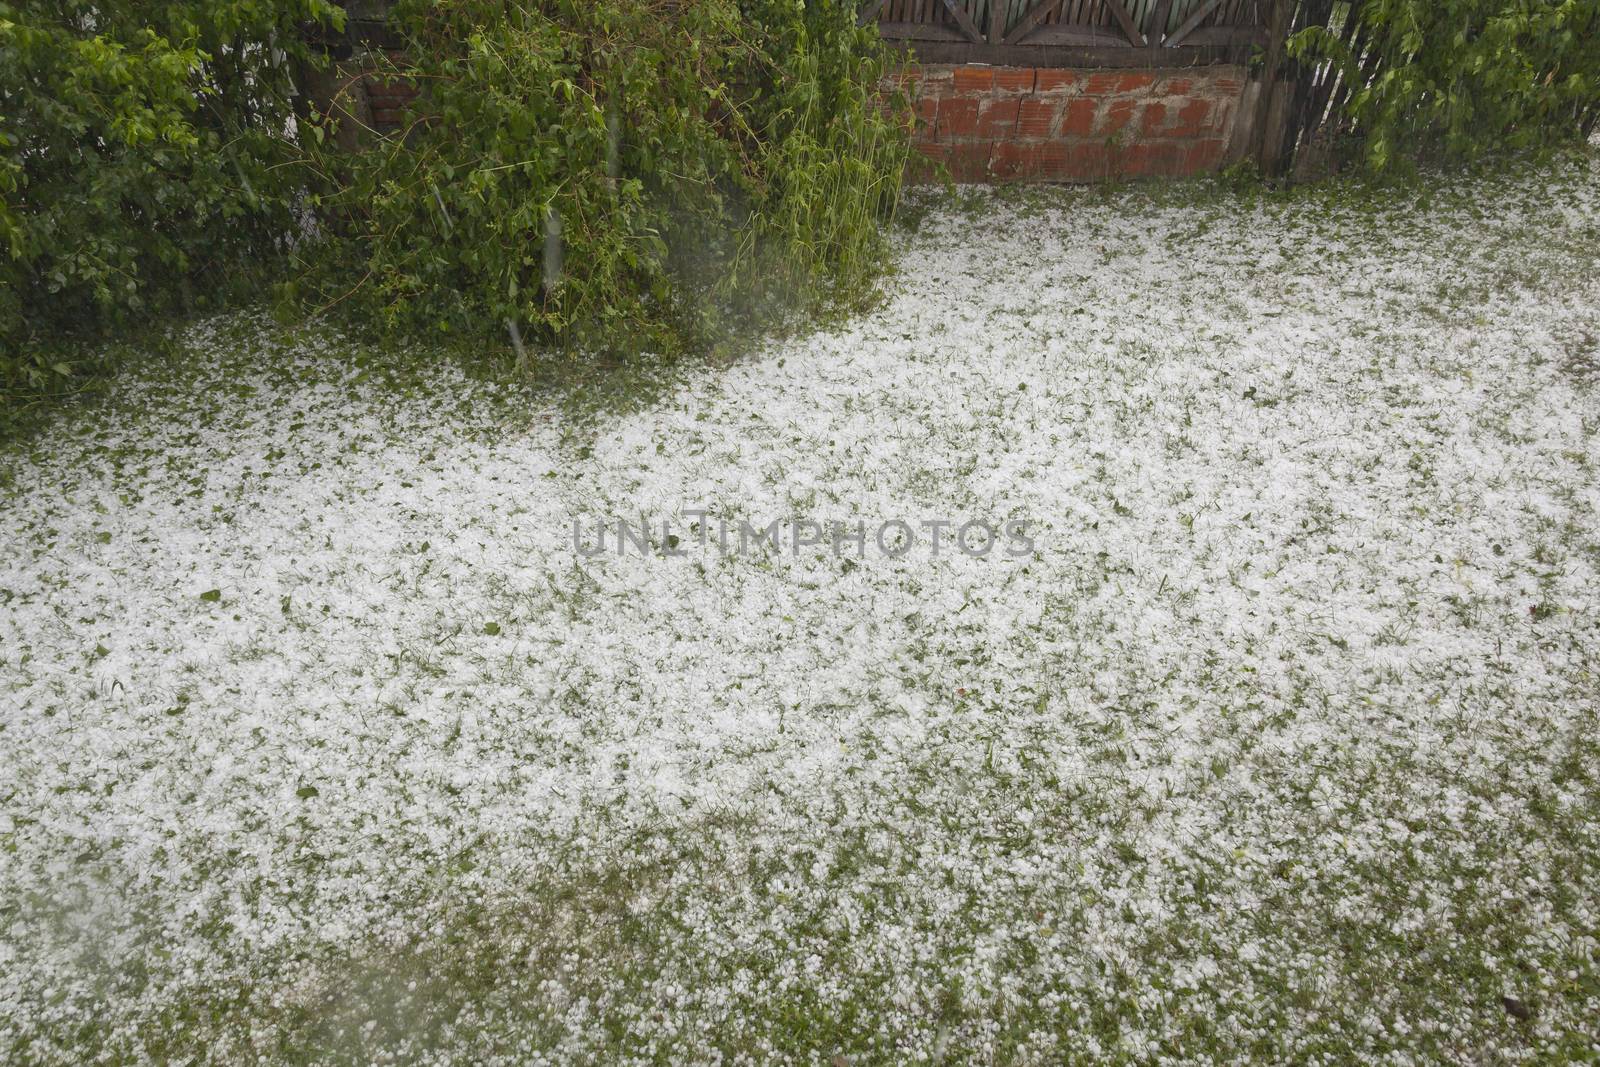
(1158, 23)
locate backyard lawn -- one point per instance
(322, 740)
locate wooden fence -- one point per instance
(1072, 33)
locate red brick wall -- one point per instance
(358, 99)
(1011, 123)
(388, 99)
(1048, 124)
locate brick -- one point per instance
(1107, 82)
(905, 79)
(1184, 118)
(907, 119)
(1101, 83)
(1055, 161)
(1012, 160)
(924, 167)
(1152, 118)
(1152, 160)
(981, 123)
(381, 84)
(1069, 161)
(974, 79)
(1117, 116)
(1093, 163)
(1036, 117)
(1192, 118)
(925, 111)
(1050, 162)
(1014, 79)
(957, 117)
(996, 118)
(1055, 80)
(928, 90)
(969, 162)
(1078, 119)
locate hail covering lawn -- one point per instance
(320, 742)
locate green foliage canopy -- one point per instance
(617, 171)
(141, 151)
(614, 172)
(1456, 78)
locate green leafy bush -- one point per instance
(621, 172)
(611, 172)
(1454, 78)
(141, 152)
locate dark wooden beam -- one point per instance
(1192, 23)
(959, 12)
(1060, 33)
(1243, 38)
(1036, 14)
(1125, 20)
(1031, 55)
(920, 31)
